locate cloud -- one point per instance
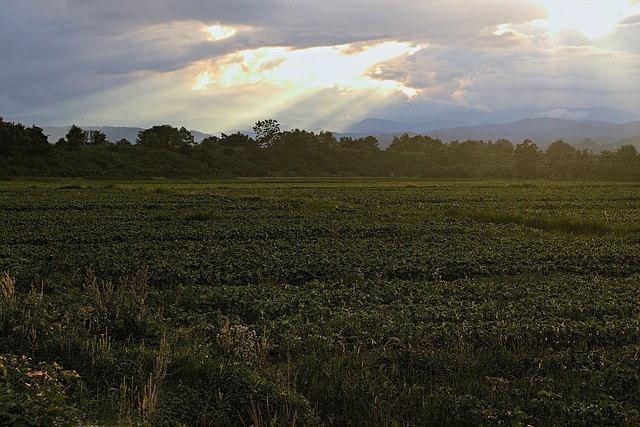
(142, 12)
(76, 60)
(561, 113)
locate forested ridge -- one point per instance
(167, 151)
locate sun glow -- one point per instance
(592, 18)
(346, 67)
(219, 32)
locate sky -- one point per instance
(222, 65)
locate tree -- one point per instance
(527, 159)
(365, 143)
(327, 139)
(414, 144)
(561, 158)
(210, 142)
(627, 152)
(75, 139)
(498, 159)
(121, 145)
(267, 132)
(238, 140)
(16, 139)
(502, 147)
(298, 140)
(627, 162)
(99, 137)
(186, 138)
(165, 137)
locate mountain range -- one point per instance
(589, 134)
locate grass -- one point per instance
(560, 224)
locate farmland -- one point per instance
(321, 302)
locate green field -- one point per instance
(320, 302)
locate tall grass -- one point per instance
(560, 224)
(130, 372)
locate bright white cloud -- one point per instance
(347, 67)
(591, 19)
(219, 32)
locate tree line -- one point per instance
(168, 151)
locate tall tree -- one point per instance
(267, 132)
(75, 138)
(99, 137)
(186, 138)
(527, 159)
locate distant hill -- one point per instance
(541, 131)
(380, 126)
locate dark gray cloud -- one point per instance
(140, 12)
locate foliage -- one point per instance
(166, 151)
(75, 138)
(527, 159)
(327, 301)
(165, 137)
(34, 394)
(99, 137)
(267, 132)
(416, 143)
(20, 146)
(366, 143)
(238, 140)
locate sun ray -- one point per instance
(202, 81)
(326, 83)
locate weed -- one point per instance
(242, 342)
(149, 394)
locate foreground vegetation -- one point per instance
(326, 302)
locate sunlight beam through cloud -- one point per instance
(346, 66)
